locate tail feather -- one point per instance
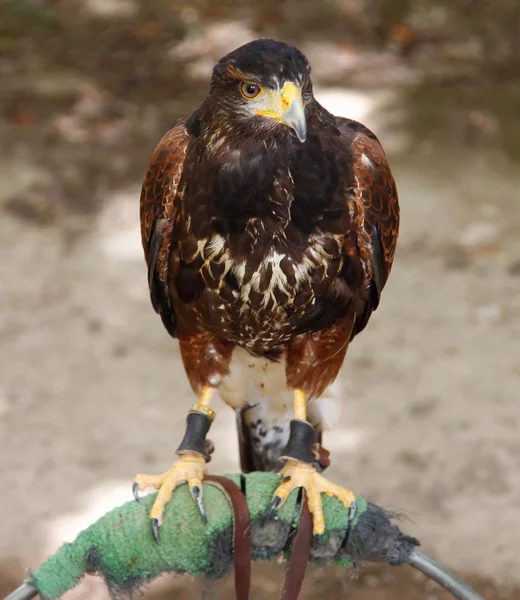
(260, 444)
(247, 458)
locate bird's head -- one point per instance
(266, 85)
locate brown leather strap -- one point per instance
(241, 534)
(300, 552)
(323, 458)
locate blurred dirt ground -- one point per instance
(371, 583)
(91, 387)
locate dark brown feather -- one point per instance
(376, 210)
(314, 360)
(253, 239)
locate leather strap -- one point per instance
(241, 534)
(300, 553)
(323, 458)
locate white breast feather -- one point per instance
(258, 381)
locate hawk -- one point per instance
(269, 227)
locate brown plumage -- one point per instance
(257, 240)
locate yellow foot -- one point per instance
(297, 474)
(190, 469)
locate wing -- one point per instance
(158, 215)
(375, 213)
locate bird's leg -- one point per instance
(190, 468)
(299, 470)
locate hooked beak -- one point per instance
(293, 113)
(286, 108)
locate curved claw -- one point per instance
(190, 469)
(135, 491)
(297, 474)
(155, 529)
(197, 495)
(352, 511)
(275, 503)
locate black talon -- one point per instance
(195, 490)
(316, 540)
(352, 511)
(135, 490)
(275, 503)
(155, 529)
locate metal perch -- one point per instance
(120, 546)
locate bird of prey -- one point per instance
(269, 227)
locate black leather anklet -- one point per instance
(194, 440)
(302, 437)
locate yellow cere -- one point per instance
(290, 92)
(274, 104)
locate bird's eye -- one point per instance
(250, 90)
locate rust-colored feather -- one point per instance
(380, 205)
(374, 205)
(158, 215)
(162, 179)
